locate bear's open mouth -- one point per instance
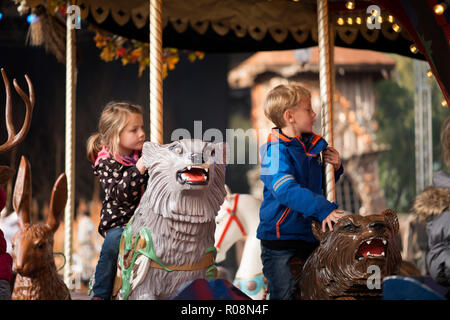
(372, 248)
(195, 175)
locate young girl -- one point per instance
(115, 150)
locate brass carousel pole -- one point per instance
(326, 74)
(155, 66)
(71, 76)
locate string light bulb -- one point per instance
(396, 27)
(380, 19)
(413, 48)
(349, 21)
(390, 18)
(444, 103)
(340, 21)
(358, 20)
(350, 5)
(439, 8)
(429, 73)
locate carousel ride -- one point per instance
(204, 27)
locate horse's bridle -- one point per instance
(232, 217)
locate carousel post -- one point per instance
(155, 67)
(326, 72)
(70, 144)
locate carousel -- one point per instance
(152, 34)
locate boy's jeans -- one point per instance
(278, 273)
(106, 267)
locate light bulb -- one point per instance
(439, 8)
(350, 5)
(396, 27)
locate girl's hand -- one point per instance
(140, 166)
(332, 217)
(331, 156)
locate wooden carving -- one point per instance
(352, 260)
(14, 139)
(37, 277)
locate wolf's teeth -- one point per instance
(206, 169)
(189, 167)
(369, 241)
(383, 254)
(384, 242)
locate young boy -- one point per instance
(292, 176)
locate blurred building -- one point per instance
(354, 122)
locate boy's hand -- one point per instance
(140, 166)
(332, 217)
(331, 156)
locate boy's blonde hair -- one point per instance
(281, 98)
(113, 120)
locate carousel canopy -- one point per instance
(255, 25)
(247, 25)
(407, 27)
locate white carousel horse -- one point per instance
(237, 219)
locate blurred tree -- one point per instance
(395, 116)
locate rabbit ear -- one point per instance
(57, 202)
(22, 193)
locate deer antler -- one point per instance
(13, 139)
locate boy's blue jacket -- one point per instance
(292, 176)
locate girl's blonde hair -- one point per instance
(281, 98)
(113, 120)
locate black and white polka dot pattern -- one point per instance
(123, 186)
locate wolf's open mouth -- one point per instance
(372, 248)
(195, 175)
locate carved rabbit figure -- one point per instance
(37, 277)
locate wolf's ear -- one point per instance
(391, 217)
(149, 150)
(222, 153)
(317, 230)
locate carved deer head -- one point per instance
(33, 243)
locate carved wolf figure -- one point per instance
(169, 240)
(341, 266)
